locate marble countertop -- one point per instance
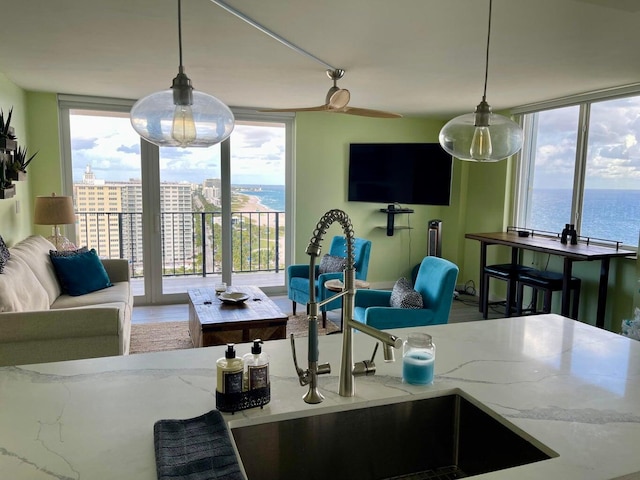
(571, 386)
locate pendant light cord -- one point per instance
(486, 68)
(180, 32)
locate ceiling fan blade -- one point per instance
(367, 112)
(337, 101)
(319, 108)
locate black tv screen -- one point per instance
(413, 173)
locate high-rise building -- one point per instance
(211, 191)
(109, 219)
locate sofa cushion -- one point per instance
(34, 251)
(119, 292)
(81, 273)
(404, 296)
(19, 288)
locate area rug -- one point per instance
(162, 336)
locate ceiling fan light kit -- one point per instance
(482, 136)
(181, 116)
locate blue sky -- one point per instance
(613, 151)
(112, 148)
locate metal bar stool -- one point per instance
(547, 282)
(508, 272)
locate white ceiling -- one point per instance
(414, 57)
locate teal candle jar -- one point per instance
(418, 359)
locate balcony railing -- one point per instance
(191, 241)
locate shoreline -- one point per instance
(251, 204)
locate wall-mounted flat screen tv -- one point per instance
(413, 173)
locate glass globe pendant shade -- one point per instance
(167, 118)
(463, 138)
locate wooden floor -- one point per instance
(464, 309)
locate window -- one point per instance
(581, 165)
(170, 239)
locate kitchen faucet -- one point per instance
(348, 371)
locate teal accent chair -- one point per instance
(436, 282)
(298, 275)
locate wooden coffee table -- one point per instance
(212, 322)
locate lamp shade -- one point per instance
(54, 210)
(153, 117)
(505, 137)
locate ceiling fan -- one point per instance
(337, 102)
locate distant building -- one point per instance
(109, 219)
(211, 191)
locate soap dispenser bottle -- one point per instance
(229, 371)
(256, 367)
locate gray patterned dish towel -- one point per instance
(195, 449)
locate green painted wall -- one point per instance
(480, 203)
(322, 162)
(480, 198)
(44, 173)
(15, 213)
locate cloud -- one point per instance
(613, 149)
(129, 149)
(112, 148)
(78, 144)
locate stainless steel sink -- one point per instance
(449, 436)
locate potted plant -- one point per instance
(7, 137)
(17, 165)
(7, 189)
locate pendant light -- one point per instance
(180, 116)
(482, 136)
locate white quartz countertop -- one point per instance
(573, 387)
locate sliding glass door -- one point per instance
(184, 218)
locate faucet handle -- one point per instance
(324, 368)
(375, 349)
(302, 375)
(366, 367)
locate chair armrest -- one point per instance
(299, 270)
(325, 277)
(324, 292)
(117, 269)
(390, 317)
(372, 298)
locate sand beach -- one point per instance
(251, 203)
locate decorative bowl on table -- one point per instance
(233, 297)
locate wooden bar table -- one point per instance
(552, 246)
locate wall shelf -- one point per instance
(391, 214)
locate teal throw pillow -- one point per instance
(81, 273)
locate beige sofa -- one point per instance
(38, 323)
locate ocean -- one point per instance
(607, 214)
(271, 196)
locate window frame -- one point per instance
(527, 117)
(150, 164)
